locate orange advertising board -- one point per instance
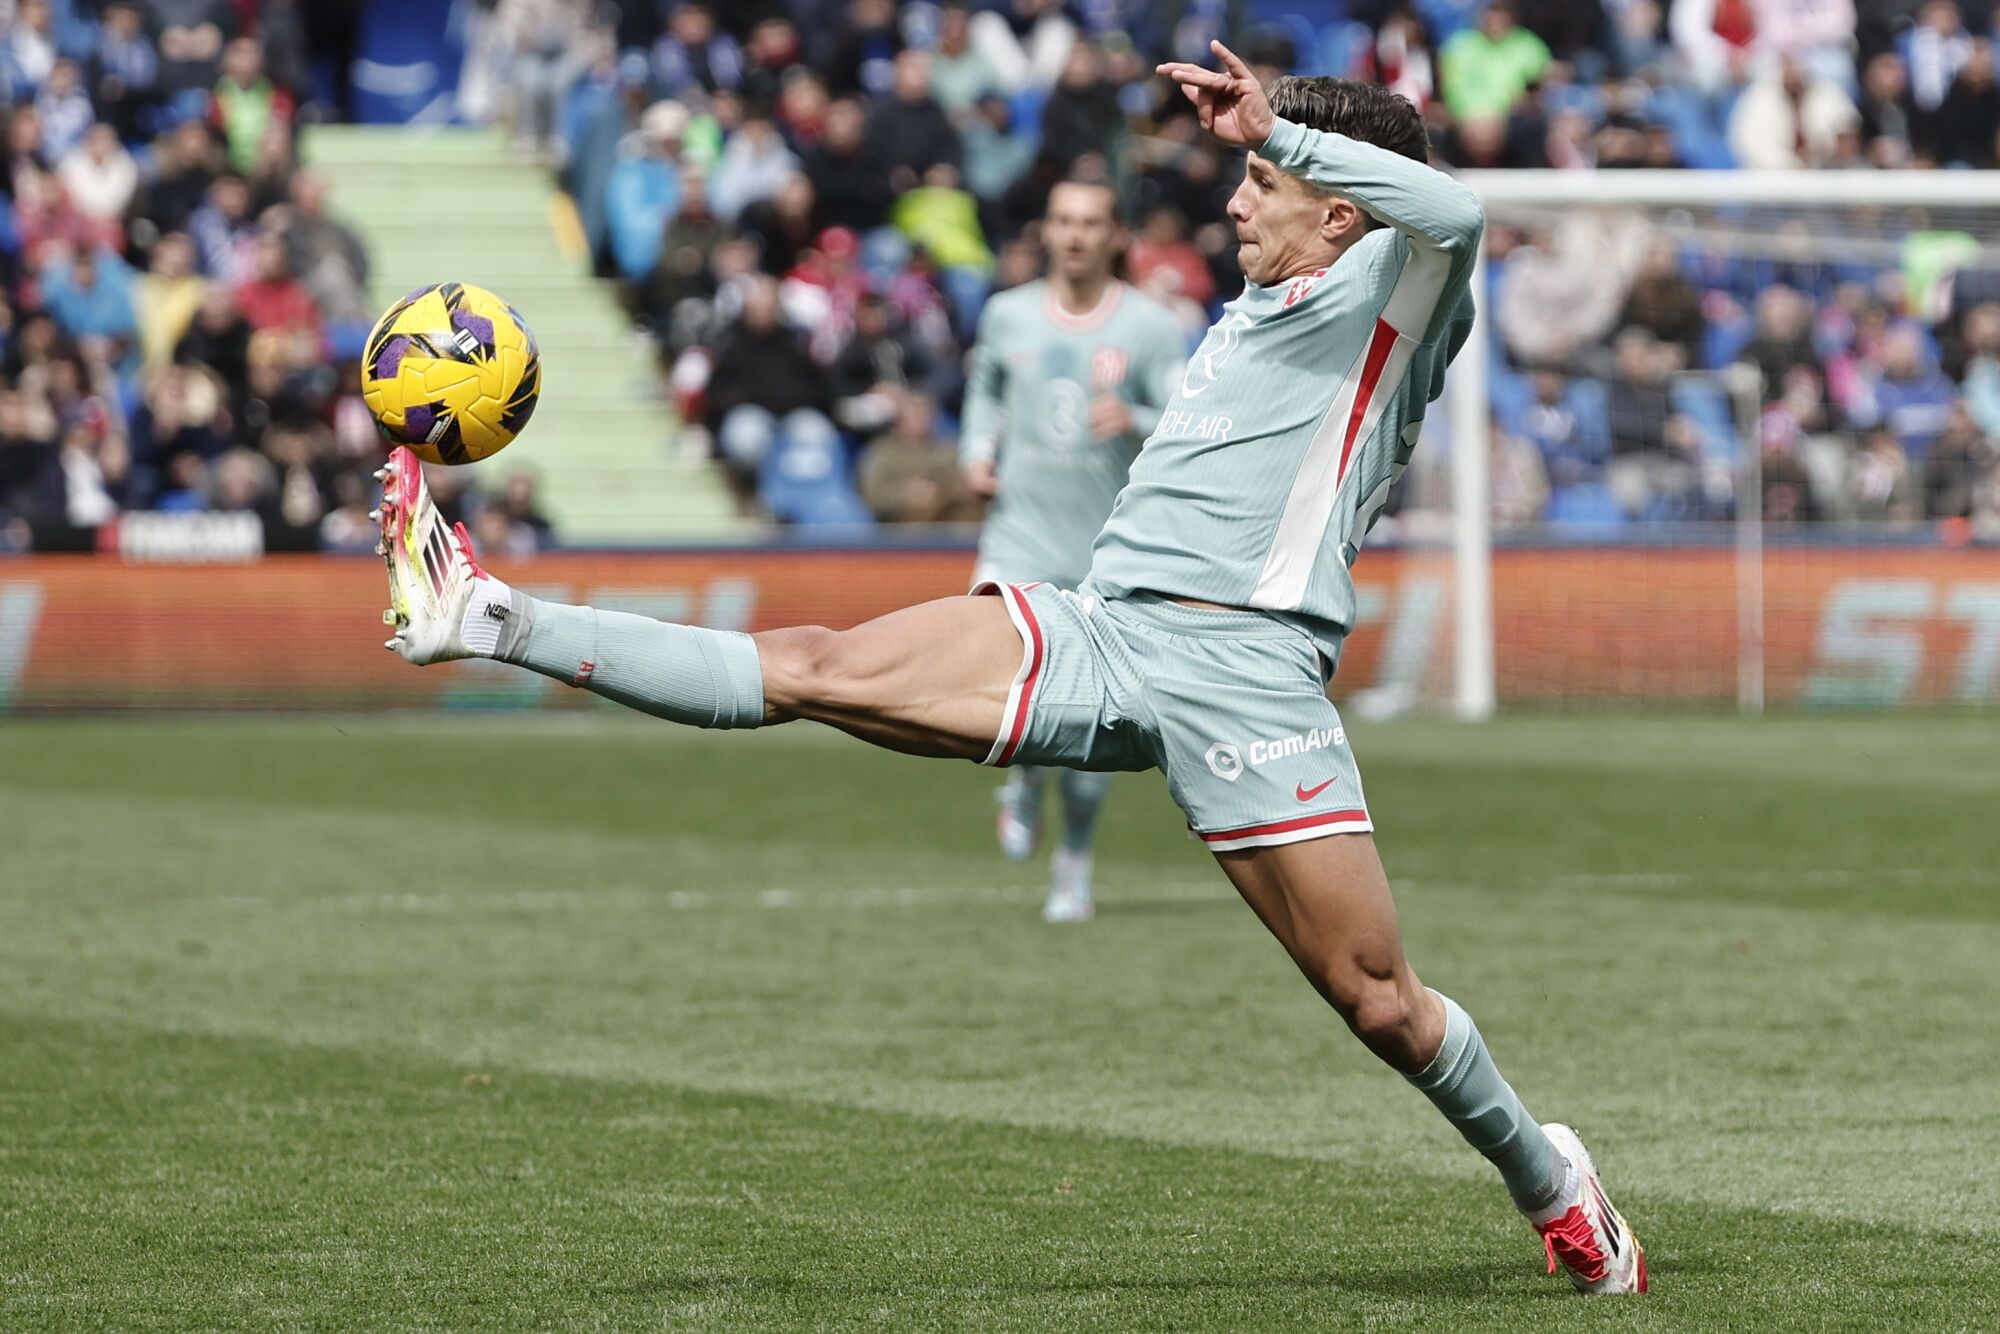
(1841, 625)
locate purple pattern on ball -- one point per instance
(479, 326)
(391, 357)
(417, 423)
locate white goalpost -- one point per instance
(1852, 218)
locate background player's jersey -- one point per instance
(1300, 407)
(1035, 371)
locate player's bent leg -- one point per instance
(1071, 894)
(1017, 823)
(1328, 902)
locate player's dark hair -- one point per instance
(1364, 111)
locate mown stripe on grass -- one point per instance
(159, 1179)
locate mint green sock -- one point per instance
(683, 673)
(1466, 1086)
(1083, 797)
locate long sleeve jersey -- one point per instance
(1300, 408)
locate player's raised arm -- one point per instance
(1409, 195)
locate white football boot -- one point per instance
(1590, 1240)
(1069, 894)
(432, 573)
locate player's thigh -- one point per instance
(1327, 900)
(1257, 757)
(933, 679)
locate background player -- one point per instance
(1217, 603)
(1068, 378)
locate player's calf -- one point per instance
(1327, 901)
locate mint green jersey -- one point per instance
(1302, 404)
(1035, 371)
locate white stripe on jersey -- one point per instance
(1406, 316)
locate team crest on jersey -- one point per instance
(1302, 287)
(1107, 368)
(1214, 353)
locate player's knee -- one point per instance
(800, 663)
(1375, 1008)
(809, 669)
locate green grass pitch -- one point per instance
(486, 1022)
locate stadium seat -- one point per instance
(1027, 108)
(1704, 402)
(1725, 337)
(1345, 49)
(346, 340)
(1696, 130)
(1586, 510)
(805, 482)
(1510, 392)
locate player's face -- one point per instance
(1280, 224)
(1081, 231)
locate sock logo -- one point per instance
(583, 671)
(497, 611)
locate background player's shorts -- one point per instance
(1230, 705)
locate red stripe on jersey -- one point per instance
(1019, 725)
(1379, 348)
(1283, 826)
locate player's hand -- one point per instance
(1229, 101)
(982, 479)
(1110, 417)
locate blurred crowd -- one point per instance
(808, 202)
(1828, 365)
(180, 312)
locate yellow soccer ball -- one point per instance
(452, 372)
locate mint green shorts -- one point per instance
(1229, 705)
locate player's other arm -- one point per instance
(984, 416)
(1417, 200)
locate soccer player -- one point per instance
(1069, 374)
(1217, 602)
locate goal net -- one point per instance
(1720, 439)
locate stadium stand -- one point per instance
(182, 301)
(599, 448)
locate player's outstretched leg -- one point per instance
(929, 680)
(1018, 822)
(1327, 900)
(1071, 898)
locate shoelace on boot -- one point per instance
(1576, 1240)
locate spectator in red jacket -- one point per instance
(1166, 264)
(272, 298)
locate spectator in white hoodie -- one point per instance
(1790, 116)
(99, 177)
